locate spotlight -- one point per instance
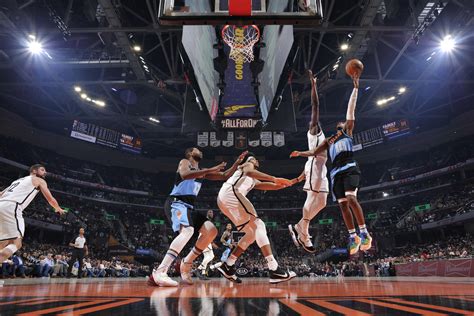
(344, 46)
(381, 102)
(402, 90)
(35, 47)
(391, 98)
(88, 99)
(385, 194)
(447, 44)
(84, 96)
(32, 36)
(100, 103)
(154, 120)
(137, 48)
(77, 89)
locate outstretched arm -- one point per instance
(300, 178)
(310, 153)
(314, 124)
(43, 186)
(350, 116)
(268, 186)
(250, 171)
(187, 174)
(222, 176)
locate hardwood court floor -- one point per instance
(341, 296)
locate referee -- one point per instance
(78, 253)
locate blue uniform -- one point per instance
(345, 172)
(181, 202)
(226, 253)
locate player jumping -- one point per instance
(345, 174)
(316, 185)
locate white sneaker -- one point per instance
(304, 240)
(162, 279)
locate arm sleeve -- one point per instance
(350, 116)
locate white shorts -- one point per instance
(316, 180)
(235, 206)
(12, 224)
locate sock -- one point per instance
(217, 265)
(272, 263)
(363, 229)
(352, 232)
(231, 260)
(193, 254)
(303, 224)
(170, 256)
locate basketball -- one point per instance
(353, 67)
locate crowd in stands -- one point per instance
(127, 217)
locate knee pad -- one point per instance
(261, 233)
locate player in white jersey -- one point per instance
(233, 202)
(13, 200)
(316, 184)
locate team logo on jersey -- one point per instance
(179, 214)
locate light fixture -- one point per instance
(447, 44)
(84, 96)
(137, 48)
(35, 47)
(402, 90)
(77, 89)
(381, 102)
(344, 46)
(154, 120)
(391, 98)
(100, 103)
(385, 194)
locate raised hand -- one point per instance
(355, 80)
(242, 156)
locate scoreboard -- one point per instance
(380, 134)
(106, 137)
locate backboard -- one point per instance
(216, 12)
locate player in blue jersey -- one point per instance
(179, 208)
(345, 175)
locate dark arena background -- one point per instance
(106, 95)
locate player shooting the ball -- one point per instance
(345, 173)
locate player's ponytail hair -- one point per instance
(35, 167)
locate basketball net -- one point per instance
(241, 40)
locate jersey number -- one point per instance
(11, 187)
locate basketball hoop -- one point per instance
(241, 40)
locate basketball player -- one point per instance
(233, 202)
(316, 185)
(13, 200)
(226, 241)
(345, 174)
(207, 253)
(179, 209)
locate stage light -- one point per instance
(344, 46)
(381, 102)
(154, 120)
(402, 90)
(77, 89)
(137, 48)
(447, 44)
(100, 103)
(385, 194)
(84, 96)
(35, 47)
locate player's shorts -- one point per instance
(225, 255)
(346, 181)
(315, 179)
(12, 224)
(235, 206)
(181, 213)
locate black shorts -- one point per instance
(194, 218)
(347, 180)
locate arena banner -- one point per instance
(229, 142)
(214, 142)
(444, 268)
(203, 139)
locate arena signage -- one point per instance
(238, 123)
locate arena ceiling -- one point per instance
(398, 41)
